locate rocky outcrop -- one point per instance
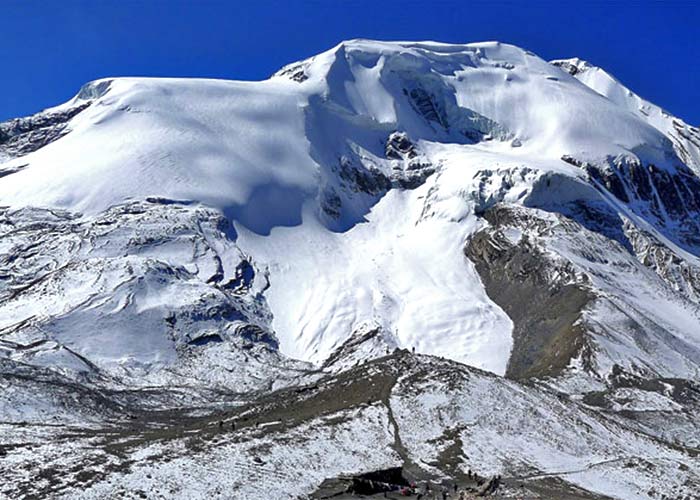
(404, 167)
(399, 147)
(436, 104)
(359, 178)
(295, 72)
(572, 66)
(669, 196)
(366, 342)
(22, 136)
(63, 274)
(543, 297)
(679, 273)
(427, 105)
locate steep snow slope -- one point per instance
(686, 138)
(214, 142)
(174, 251)
(353, 180)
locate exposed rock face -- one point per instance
(544, 298)
(573, 66)
(428, 106)
(399, 215)
(436, 104)
(409, 168)
(295, 72)
(570, 288)
(99, 268)
(370, 180)
(672, 197)
(399, 147)
(403, 167)
(681, 274)
(684, 138)
(22, 136)
(368, 341)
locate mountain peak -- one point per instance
(179, 249)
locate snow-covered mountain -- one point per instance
(210, 241)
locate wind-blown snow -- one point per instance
(267, 155)
(173, 251)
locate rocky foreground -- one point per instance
(439, 422)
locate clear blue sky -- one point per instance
(49, 48)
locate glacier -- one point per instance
(211, 240)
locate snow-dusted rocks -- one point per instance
(187, 246)
(371, 159)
